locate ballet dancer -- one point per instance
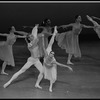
(69, 40)
(6, 49)
(50, 64)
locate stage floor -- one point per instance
(83, 82)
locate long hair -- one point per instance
(76, 16)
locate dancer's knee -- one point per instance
(40, 75)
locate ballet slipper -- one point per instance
(4, 73)
(70, 63)
(6, 85)
(50, 89)
(38, 86)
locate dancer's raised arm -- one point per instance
(3, 34)
(52, 38)
(85, 26)
(49, 48)
(18, 36)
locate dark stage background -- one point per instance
(83, 82)
(28, 14)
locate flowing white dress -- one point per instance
(69, 41)
(6, 51)
(50, 69)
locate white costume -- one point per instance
(6, 51)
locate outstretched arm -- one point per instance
(18, 36)
(65, 26)
(64, 66)
(3, 34)
(21, 32)
(85, 26)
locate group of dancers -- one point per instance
(39, 46)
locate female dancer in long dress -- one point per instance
(69, 40)
(33, 59)
(50, 63)
(6, 51)
(96, 25)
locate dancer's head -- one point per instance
(11, 29)
(78, 18)
(29, 38)
(51, 54)
(46, 22)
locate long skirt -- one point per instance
(50, 73)
(69, 41)
(6, 53)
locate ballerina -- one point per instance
(69, 40)
(6, 50)
(50, 64)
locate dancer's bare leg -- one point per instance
(51, 84)
(22, 70)
(39, 66)
(3, 68)
(69, 59)
(40, 76)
